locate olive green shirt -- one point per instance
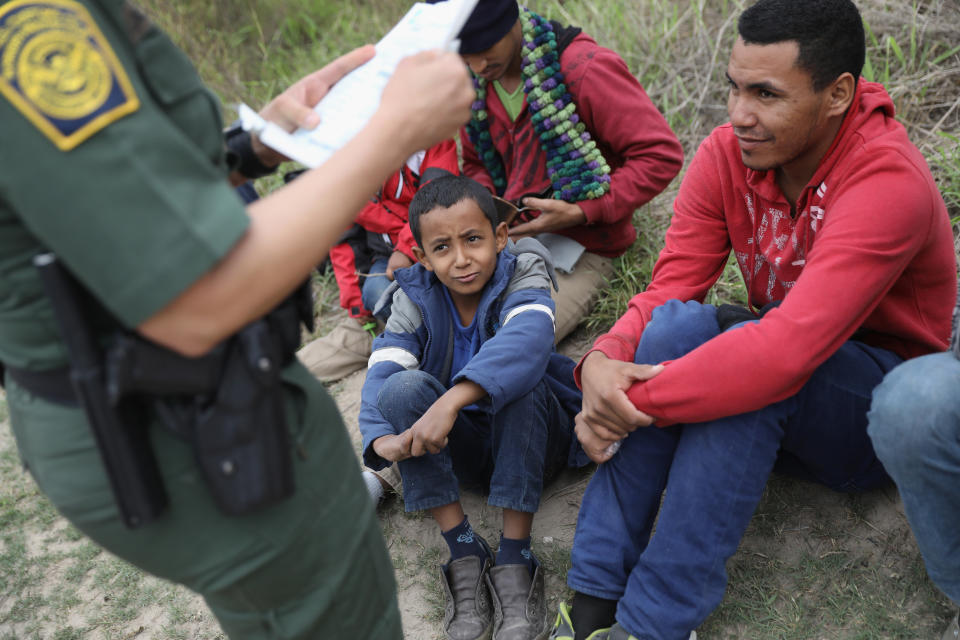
(512, 102)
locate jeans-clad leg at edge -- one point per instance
(714, 474)
(915, 427)
(374, 286)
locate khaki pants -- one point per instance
(578, 291)
(339, 353)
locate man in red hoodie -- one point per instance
(846, 250)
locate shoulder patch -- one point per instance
(59, 71)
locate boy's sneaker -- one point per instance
(374, 488)
(468, 614)
(952, 632)
(519, 604)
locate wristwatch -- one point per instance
(240, 154)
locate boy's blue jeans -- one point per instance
(714, 474)
(374, 286)
(915, 427)
(513, 452)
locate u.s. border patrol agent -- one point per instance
(112, 157)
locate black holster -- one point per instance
(240, 438)
(228, 403)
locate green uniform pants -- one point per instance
(313, 566)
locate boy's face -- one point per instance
(461, 247)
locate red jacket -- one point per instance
(871, 249)
(638, 144)
(381, 226)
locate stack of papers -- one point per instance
(354, 99)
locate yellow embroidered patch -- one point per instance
(59, 71)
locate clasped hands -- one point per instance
(427, 435)
(607, 415)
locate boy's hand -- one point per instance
(398, 260)
(430, 431)
(554, 216)
(365, 320)
(394, 448)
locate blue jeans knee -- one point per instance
(406, 395)
(915, 412)
(676, 328)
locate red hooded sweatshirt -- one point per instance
(635, 139)
(870, 249)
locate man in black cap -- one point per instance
(560, 126)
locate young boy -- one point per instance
(363, 261)
(464, 387)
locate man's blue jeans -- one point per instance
(714, 474)
(374, 286)
(513, 452)
(915, 427)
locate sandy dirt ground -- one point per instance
(799, 528)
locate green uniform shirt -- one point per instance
(136, 241)
(112, 157)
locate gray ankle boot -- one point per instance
(468, 614)
(519, 605)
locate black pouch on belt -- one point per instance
(240, 439)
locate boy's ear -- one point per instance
(421, 257)
(502, 234)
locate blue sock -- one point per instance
(515, 552)
(463, 541)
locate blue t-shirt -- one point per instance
(466, 340)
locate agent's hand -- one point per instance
(554, 216)
(606, 408)
(398, 260)
(293, 108)
(395, 447)
(430, 431)
(427, 99)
